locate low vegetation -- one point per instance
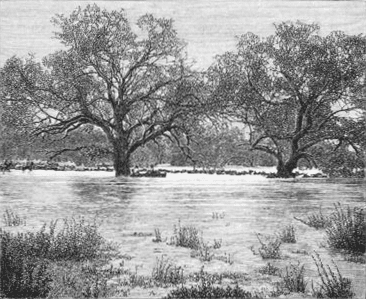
(31, 261)
(347, 230)
(205, 288)
(269, 247)
(292, 280)
(315, 220)
(186, 236)
(166, 273)
(332, 283)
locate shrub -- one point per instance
(287, 235)
(165, 272)
(270, 247)
(347, 230)
(333, 284)
(206, 289)
(12, 219)
(26, 258)
(186, 236)
(292, 279)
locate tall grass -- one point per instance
(332, 283)
(166, 273)
(293, 279)
(27, 258)
(347, 229)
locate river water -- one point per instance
(228, 208)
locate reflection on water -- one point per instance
(127, 205)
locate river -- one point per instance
(223, 207)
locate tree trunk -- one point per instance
(121, 158)
(284, 170)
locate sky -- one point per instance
(209, 27)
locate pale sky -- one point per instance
(209, 26)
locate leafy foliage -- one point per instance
(293, 90)
(133, 88)
(27, 258)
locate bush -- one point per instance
(333, 284)
(347, 230)
(26, 258)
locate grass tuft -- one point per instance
(333, 284)
(186, 236)
(270, 247)
(166, 273)
(347, 230)
(292, 280)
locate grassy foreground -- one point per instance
(70, 258)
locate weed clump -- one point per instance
(292, 280)
(333, 284)
(347, 230)
(269, 247)
(166, 273)
(186, 236)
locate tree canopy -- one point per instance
(293, 90)
(134, 85)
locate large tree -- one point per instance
(293, 90)
(134, 85)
